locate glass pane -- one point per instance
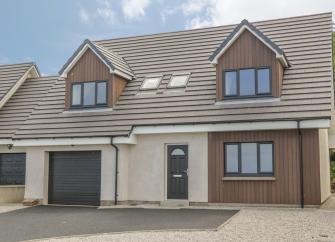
(178, 81)
(150, 83)
(230, 83)
(76, 94)
(89, 93)
(266, 158)
(231, 158)
(263, 81)
(102, 93)
(247, 82)
(177, 152)
(249, 158)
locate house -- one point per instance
(228, 114)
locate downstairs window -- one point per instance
(248, 159)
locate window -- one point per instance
(178, 81)
(12, 169)
(89, 94)
(150, 83)
(263, 81)
(248, 159)
(246, 83)
(230, 83)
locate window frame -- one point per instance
(239, 173)
(174, 75)
(96, 104)
(153, 88)
(238, 96)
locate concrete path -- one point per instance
(48, 221)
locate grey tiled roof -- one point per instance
(112, 59)
(10, 74)
(306, 87)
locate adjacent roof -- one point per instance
(12, 76)
(16, 111)
(114, 62)
(239, 29)
(306, 88)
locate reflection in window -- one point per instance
(89, 94)
(247, 82)
(230, 83)
(178, 81)
(76, 94)
(263, 81)
(151, 83)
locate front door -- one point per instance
(177, 172)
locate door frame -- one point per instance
(166, 160)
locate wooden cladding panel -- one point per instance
(249, 52)
(91, 68)
(118, 86)
(285, 189)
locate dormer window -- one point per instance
(89, 94)
(150, 83)
(249, 82)
(178, 81)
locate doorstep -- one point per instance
(175, 203)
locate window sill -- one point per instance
(87, 110)
(260, 100)
(250, 178)
(12, 186)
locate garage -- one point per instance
(75, 178)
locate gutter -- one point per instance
(116, 169)
(302, 199)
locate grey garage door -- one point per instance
(75, 177)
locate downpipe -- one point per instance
(116, 170)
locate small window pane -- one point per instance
(89, 93)
(266, 158)
(231, 158)
(102, 93)
(249, 158)
(247, 82)
(177, 152)
(150, 83)
(263, 81)
(178, 81)
(230, 83)
(76, 94)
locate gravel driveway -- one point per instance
(247, 225)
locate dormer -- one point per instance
(95, 77)
(248, 65)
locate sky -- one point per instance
(48, 32)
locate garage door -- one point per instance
(74, 178)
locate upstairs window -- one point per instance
(249, 82)
(89, 94)
(150, 83)
(178, 81)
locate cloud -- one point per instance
(203, 13)
(134, 9)
(103, 11)
(165, 13)
(83, 15)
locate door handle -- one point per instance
(177, 175)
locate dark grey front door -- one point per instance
(177, 169)
(74, 177)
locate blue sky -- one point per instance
(48, 32)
